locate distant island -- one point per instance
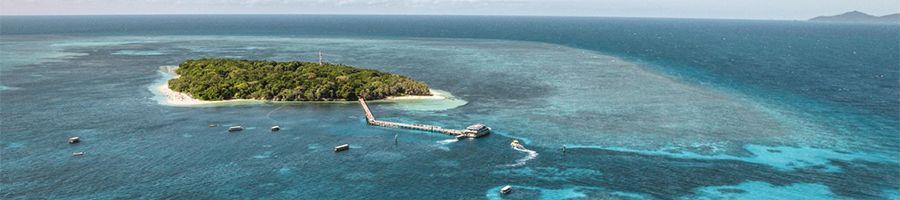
(229, 79)
(859, 17)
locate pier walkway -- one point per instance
(476, 130)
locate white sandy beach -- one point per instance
(169, 97)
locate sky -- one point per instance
(725, 9)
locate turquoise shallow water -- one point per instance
(634, 129)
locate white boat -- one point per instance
(516, 144)
(477, 130)
(342, 147)
(80, 153)
(235, 128)
(506, 189)
(276, 128)
(73, 140)
(461, 137)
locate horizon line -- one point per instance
(382, 14)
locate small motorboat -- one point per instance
(212, 125)
(516, 144)
(235, 128)
(73, 140)
(276, 128)
(80, 153)
(342, 147)
(461, 137)
(506, 189)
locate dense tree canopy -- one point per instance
(223, 79)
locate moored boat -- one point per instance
(477, 130)
(342, 147)
(461, 137)
(80, 153)
(235, 128)
(506, 189)
(73, 140)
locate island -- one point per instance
(214, 79)
(859, 17)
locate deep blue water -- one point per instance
(650, 108)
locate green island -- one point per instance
(226, 79)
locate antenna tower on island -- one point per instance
(320, 57)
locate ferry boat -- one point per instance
(342, 147)
(506, 189)
(235, 128)
(477, 130)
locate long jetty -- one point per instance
(371, 120)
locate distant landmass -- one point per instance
(858, 17)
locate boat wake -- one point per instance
(447, 141)
(524, 160)
(269, 115)
(441, 144)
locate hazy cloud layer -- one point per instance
(743, 9)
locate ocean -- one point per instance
(644, 108)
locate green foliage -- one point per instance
(223, 79)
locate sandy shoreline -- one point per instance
(169, 97)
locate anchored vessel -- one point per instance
(473, 131)
(342, 147)
(506, 189)
(235, 128)
(73, 140)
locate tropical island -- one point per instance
(213, 79)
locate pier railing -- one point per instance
(370, 119)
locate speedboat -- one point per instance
(516, 144)
(461, 137)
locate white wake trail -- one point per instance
(447, 141)
(269, 115)
(522, 161)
